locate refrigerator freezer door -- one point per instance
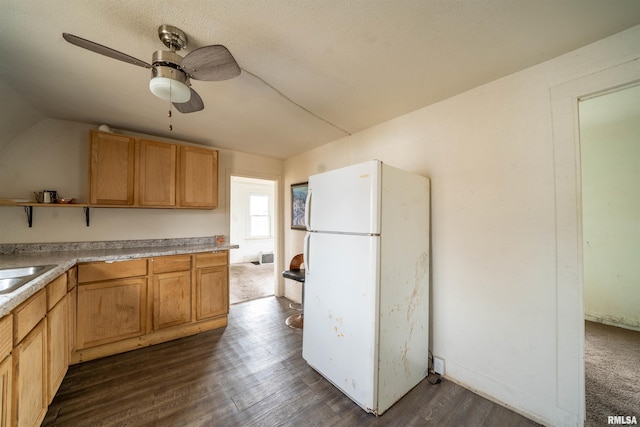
(346, 200)
(340, 313)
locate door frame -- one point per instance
(570, 386)
(278, 263)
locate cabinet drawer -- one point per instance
(97, 271)
(6, 335)
(56, 290)
(27, 315)
(72, 277)
(166, 264)
(211, 260)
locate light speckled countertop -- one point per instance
(65, 259)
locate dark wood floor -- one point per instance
(250, 373)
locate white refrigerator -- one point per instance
(366, 303)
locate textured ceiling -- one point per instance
(352, 63)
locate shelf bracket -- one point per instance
(86, 215)
(29, 211)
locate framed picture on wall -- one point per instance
(298, 205)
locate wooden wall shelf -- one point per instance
(28, 209)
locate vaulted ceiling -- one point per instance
(313, 70)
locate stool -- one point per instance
(296, 273)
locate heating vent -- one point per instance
(266, 257)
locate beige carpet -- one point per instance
(248, 281)
(612, 373)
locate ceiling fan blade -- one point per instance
(103, 50)
(212, 63)
(192, 105)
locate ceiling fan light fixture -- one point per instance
(170, 84)
(170, 75)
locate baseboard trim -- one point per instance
(156, 337)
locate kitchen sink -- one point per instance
(14, 277)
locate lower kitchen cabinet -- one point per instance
(111, 311)
(40, 355)
(6, 369)
(30, 377)
(58, 352)
(212, 292)
(72, 299)
(212, 284)
(171, 299)
(57, 334)
(29, 384)
(96, 310)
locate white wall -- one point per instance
(493, 160)
(250, 248)
(17, 114)
(611, 211)
(53, 155)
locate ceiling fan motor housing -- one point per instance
(168, 80)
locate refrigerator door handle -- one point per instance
(305, 253)
(307, 210)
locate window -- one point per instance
(259, 218)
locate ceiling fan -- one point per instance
(170, 72)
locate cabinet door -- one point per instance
(110, 311)
(111, 169)
(58, 352)
(5, 392)
(72, 299)
(72, 281)
(198, 177)
(171, 299)
(212, 292)
(6, 345)
(157, 173)
(30, 378)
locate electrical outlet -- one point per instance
(438, 365)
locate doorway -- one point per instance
(570, 333)
(253, 228)
(610, 179)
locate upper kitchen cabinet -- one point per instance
(198, 187)
(111, 166)
(157, 174)
(141, 173)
